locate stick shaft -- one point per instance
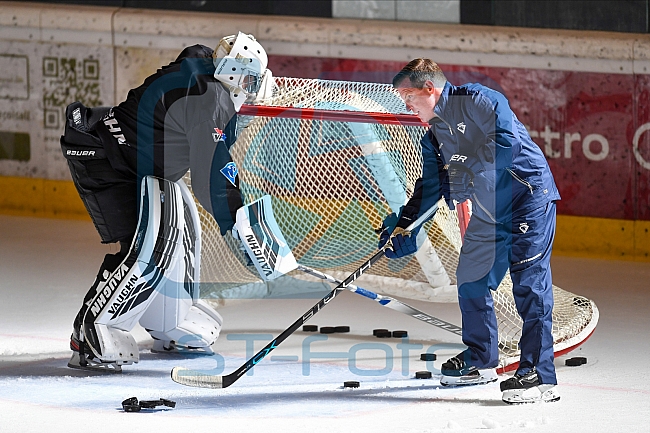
(387, 301)
(191, 378)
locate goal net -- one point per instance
(337, 157)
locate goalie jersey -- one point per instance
(180, 118)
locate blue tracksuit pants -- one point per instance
(489, 250)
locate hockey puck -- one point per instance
(341, 329)
(423, 374)
(351, 384)
(576, 361)
(427, 357)
(400, 334)
(376, 331)
(383, 334)
(310, 328)
(327, 330)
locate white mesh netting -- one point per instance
(332, 183)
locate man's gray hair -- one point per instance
(418, 71)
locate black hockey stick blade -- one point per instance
(201, 379)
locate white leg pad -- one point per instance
(118, 346)
(199, 330)
(207, 309)
(155, 262)
(177, 317)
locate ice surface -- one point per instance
(47, 265)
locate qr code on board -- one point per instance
(66, 80)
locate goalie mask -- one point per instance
(240, 63)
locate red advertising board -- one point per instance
(593, 127)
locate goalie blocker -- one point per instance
(262, 239)
(157, 285)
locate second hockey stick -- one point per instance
(195, 378)
(387, 301)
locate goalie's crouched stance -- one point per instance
(153, 282)
(154, 279)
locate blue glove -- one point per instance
(407, 215)
(402, 246)
(387, 228)
(461, 183)
(460, 177)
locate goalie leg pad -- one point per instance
(118, 346)
(177, 319)
(198, 331)
(155, 258)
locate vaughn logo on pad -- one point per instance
(263, 240)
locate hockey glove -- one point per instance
(387, 228)
(407, 214)
(402, 246)
(460, 177)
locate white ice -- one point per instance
(46, 267)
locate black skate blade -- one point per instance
(174, 349)
(98, 370)
(94, 367)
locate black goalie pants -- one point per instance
(110, 197)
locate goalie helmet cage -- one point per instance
(337, 157)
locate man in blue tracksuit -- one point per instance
(477, 149)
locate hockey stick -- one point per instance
(188, 377)
(387, 301)
(266, 246)
(260, 232)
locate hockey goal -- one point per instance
(337, 157)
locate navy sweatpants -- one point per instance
(489, 250)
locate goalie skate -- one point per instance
(161, 346)
(83, 359)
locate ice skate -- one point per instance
(84, 359)
(163, 346)
(456, 372)
(527, 389)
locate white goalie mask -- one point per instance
(241, 65)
